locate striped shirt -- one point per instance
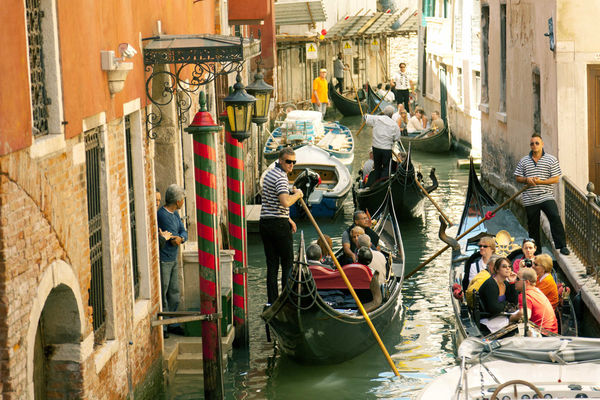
(402, 81)
(275, 183)
(547, 167)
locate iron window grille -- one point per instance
(93, 155)
(39, 97)
(131, 198)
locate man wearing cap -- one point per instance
(319, 99)
(385, 133)
(338, 72)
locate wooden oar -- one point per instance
(481, 221)
(349, 285)
(372, 111)
(356, 93)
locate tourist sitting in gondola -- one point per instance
(539, 309)
(415, 123)
(378, 262)
(437, 123)
(386, 94)
(495, 294)
(362, 220)
(542, 265)
(529, 248)
(478, 261)
(481, 277)
(314, 255)
(325, 257)
(368, 167)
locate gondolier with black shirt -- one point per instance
(276, 226)
(540, 171)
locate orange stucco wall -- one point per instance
(15, 109)
(85, 28)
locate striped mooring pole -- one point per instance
(236, 209)
(203, 130)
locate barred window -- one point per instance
(39, 97)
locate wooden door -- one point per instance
(594, 124)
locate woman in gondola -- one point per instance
(542, 264)
(487, 247)
(529, 248)
(497, 292)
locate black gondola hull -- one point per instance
(344, 105)
(439, 142)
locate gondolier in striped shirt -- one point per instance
(276, 226)
(540, 171)
(402, 85)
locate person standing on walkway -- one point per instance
(385, 133)
(338, 73)
(275, 225)
(540, 171)
(320, 99)
(402, 85)
(169, 221)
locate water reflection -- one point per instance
(419, 340)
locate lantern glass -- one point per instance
(240, 117)
(261, 109)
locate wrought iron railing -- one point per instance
(582, 224)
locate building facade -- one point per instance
(80, 160)
(449, 67)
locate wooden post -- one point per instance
(205, 167)
(236, 216)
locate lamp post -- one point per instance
(203, 129)
(237, 128)
(262, 91)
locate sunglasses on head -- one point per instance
(290, 161)
(532, 240)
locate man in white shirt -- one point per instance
(385, 133)
(415, 123)
(402, 85)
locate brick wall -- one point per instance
(43, 218)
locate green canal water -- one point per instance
(419, 341)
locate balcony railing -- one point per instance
(582, 225)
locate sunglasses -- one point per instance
(505, 266)
(485, 246)
(290, 161)
(534, 143)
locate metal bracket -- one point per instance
(550, 33)
(177, 317)
(240, 270)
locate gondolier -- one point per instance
(276, 226)
(338, 73)
(402, 85)
(385, 133)
(541, 170)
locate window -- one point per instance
(131, 200)
(502, 105)
(459, 86)
(93, 156)
(476, 88)
(44, 69)
(37, 75)
(485, 49)
(537, 104)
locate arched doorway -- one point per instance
(56, 358)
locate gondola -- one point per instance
(345, 105)
(509, 235)
(373, 99)
(429, 141)
(408, 197)
(312, 330)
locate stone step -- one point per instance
(187, 361)
(191, 347)
(189, 372)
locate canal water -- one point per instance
(419, 341)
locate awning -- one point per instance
(371, 24)
(294, 12)
(205, 48)
(410, 24)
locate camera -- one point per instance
(528, 263)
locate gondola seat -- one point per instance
(359, 276)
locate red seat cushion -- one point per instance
(359, 276)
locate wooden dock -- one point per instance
(252, 217)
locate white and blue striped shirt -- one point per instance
(547, 167)
(275, 183)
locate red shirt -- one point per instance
(542, 312)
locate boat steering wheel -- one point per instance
(516, 382)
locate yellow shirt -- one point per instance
(475, 284)
(320, 86)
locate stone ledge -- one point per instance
(104, 353)
(140, 310)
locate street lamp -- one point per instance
(262, 91)
(239, 106)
